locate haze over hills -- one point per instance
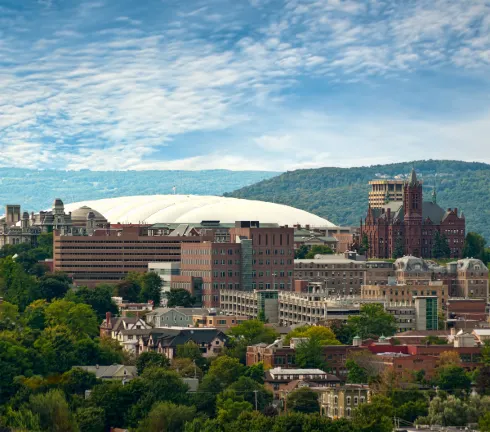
(36, 189)
(341, 194)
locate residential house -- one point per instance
(166, 340)
(112, 372)
(340, 402)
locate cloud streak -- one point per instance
(92, 91)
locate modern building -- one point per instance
(166, 271)
(257, 257)
(108, 255)
(384, 191)
(408, 227)
(340, 402)
(426, 312)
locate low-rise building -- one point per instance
(113, 372)
(165, 341)
(283, 381)
(340, 402)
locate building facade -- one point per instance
(409, 227)
(340, 402)
(256, 258)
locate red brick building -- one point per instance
(412, 224)
(255, 258)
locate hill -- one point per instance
(35, 190)
(341, 194)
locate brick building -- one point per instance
(108, 255)
(256, 258)
(411, 225)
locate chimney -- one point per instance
(456, 211)
(108, 320)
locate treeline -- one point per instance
(341, 194)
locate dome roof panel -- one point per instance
(196, 208)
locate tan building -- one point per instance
(404, 293)
(336, 273)
(340, 402)
(383, 191)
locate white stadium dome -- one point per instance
(152, 209)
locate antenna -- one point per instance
(174, 189)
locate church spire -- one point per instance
(412, 181)
(434, 195)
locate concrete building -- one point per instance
(167, 271)
(340, 402)
(384, 191)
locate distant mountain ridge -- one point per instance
(341, 194)
(36, 189)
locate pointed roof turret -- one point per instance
(434, 196)
(461, 216)
(412, 180)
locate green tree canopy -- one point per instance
(474, 247)
(303, 400)
(151, 359)
(324, 335)
(180, 297)
(318, 250)
(167, 417)
(372, 322)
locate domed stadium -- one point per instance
(152, 209)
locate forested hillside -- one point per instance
(36, 189)
(341, 194)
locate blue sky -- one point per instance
(242, 84)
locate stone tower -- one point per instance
(412, 204)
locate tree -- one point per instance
(9, 316)
(374, 416)
(246, 387)
(151, 359)
(53, 412)
(301, 252)
(452, 378)
(79, 318)
(474, 247)
(318, 250)
(440, 246)
(151, 288)
(35, 314)
(90, 419)
(484, 422)
(129, 290)
(249, 332)
(445, 412)
(309, 354)
(324, 335)
(186, 367)
(167, 417)
(226, 369)
(303, 400)
(53, 285)
(256, 372)
(115, 399)
(56, 346)
(16, 286)
(77, 381)
(449, 358)
(355, 373)
(482, 380)
(180, 297)
(229, 406)
(100, 298)
(372, 322)
(364, 246)
(190, 350)
(399, 248)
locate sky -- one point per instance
(242, 84)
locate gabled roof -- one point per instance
(108, 372)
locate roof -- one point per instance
(482, 332)
(196, 208)
(110, 371)
(281, 371)
(80, 214)
(183, 310)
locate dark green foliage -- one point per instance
(151, 359)
(440, 246)
(151, 288)
(246, 386)
(303, 400)
(372, 322)
(167, 417)
(90, 419)
(180, 297)
(375, 416)
(53, 285)
(356, 374)
(309, 354)
(474, 247)
(99, 298)
(341, 194)
(452, 378)
(129, 290)
(301, 252)
(364, 246)
(399, 249)
(482, 380)
(318, 250)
